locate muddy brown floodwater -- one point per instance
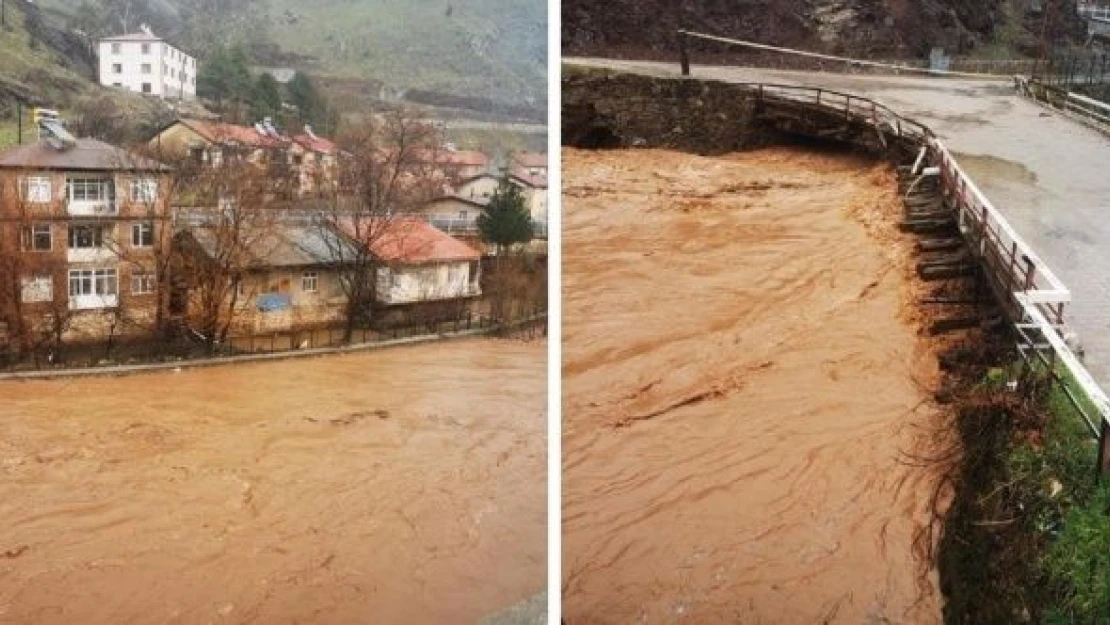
(742, 374)
(399, 486)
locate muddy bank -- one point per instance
(742, 379)
(398, 486)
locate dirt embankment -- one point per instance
(743, 378)
(401, 486)
(873, 28)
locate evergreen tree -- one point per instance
(266, 101)
(505, 221)
(311, 107)
(225, 76)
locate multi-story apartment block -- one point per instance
(82, 224)
(145, 63)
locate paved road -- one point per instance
(1049, 175)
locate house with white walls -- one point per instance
(145, 63)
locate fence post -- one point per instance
(1104, 448)
(684, 56)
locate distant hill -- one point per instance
(493, 52)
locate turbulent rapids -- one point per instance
(743, 381)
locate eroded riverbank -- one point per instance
(406, 485)
(742, 380)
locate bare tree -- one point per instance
(390, 168)
(220, 244)
(33, 265)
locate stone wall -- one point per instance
(605, 109)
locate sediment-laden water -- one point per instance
(742, 380)
(400, 486)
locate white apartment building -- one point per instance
(144, 63)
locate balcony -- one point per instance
(92, 302)
(93, 208)
(90, 255)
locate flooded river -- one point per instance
(399, 486)
(742, 377)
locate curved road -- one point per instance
(1043, 171)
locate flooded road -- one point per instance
(742, 375)
(399, 486)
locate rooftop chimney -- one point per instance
(308, 131)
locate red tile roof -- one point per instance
(464, 158)
(413, 241)
(220, 132)
(316, 144)
(530, 159)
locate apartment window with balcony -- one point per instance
(146, 68)
(309, 282)
(144, 190)
(142, 283)
(142, 234)
(115, 48)
(37, 238)
(86, 237)
(37, 289)
(84, 283)
(36, 189)
(117, 68)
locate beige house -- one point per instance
(289, 281)
(534, 188)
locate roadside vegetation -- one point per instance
(1027, 537)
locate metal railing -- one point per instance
(1033, 297)
(1079, 107)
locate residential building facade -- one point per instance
(81, 229)
(145, 63)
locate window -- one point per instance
(88, 189)
(117, 68)
(142, 234)
(144, 190)
(146, 68)
(115, 48)
(142, 283)
(462, 215)
(36, 238)
(309, 282)
(92, 282)
(146, 48)
(117, 85)
(86, 237)
(37, 289)
(36, 189)
(146, 87)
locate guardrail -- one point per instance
(1033, 297)
(1079, 107)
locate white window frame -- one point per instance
(142, 230)
(88, 187)
(36, 289)
(144, 190)
(310, 282)
(145, 69)
(146, 48)
(142, 282)
(115, 48)
(103, 282)
(147, 88)
(117, 68)
(38, 189)
(31, 234)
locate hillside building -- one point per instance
(145, 63)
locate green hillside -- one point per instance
(484, 48)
